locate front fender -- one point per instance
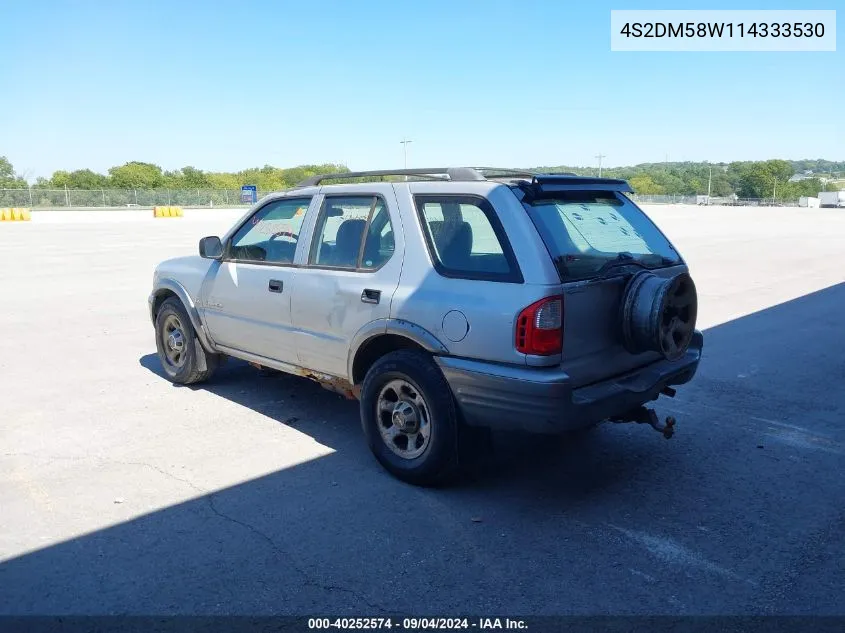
(166, 285)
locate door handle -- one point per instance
(275, 285)
(371, 296)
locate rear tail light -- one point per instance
(539, 327)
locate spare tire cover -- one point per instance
(659, 314)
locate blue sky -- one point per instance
(224, 85)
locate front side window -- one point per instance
(465, 238)
(352, 232)
(584, 231)
(271, 234)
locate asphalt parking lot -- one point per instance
(256, 494)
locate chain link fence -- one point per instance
(714, 201)
(669, 199)
(121, 198)
(37, 198)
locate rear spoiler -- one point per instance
(544, 184)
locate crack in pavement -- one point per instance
(208, 495)
(309, 582)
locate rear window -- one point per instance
(584, 230)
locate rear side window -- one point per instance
(378, 243)
(466, 239)
(353, 232)
(584, 230)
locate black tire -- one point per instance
(438, 463)
(198, 365)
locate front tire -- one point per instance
(182, 357)
(410, 419)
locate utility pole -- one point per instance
(709, 182)
(600, 156)
(404, 143)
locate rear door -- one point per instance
(351, 273)
(597, 238)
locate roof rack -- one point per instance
(459, 174)
(452, 173)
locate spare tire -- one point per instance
(659, 314)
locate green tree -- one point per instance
(59, 180)
(195, 178)
(187, 178)
(8, 178)
(643, 184)
(670, 183)
(137, 175)
(79, 179)
(760, 179)
(223, 181)
(7, 172)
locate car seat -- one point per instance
(348, 243)
(453, 239)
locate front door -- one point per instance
(247, 296)
(352, 271)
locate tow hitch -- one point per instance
(643, 415)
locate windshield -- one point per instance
(587, 232)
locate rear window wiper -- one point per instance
(627, 259)
(622, 259)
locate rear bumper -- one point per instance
(542, 400)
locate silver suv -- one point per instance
(446, 301)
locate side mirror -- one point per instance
(211, 247)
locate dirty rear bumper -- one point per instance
(542, 400)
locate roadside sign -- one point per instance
(249, 194)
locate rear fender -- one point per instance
(399, 327)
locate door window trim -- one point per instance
(317, 234)
(227, 247)
(514, 274)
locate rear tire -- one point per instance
(410, 419)
(182, 357)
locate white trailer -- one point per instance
(832, 199)
(809, 202)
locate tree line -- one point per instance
(140, 175)
(746, 179)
